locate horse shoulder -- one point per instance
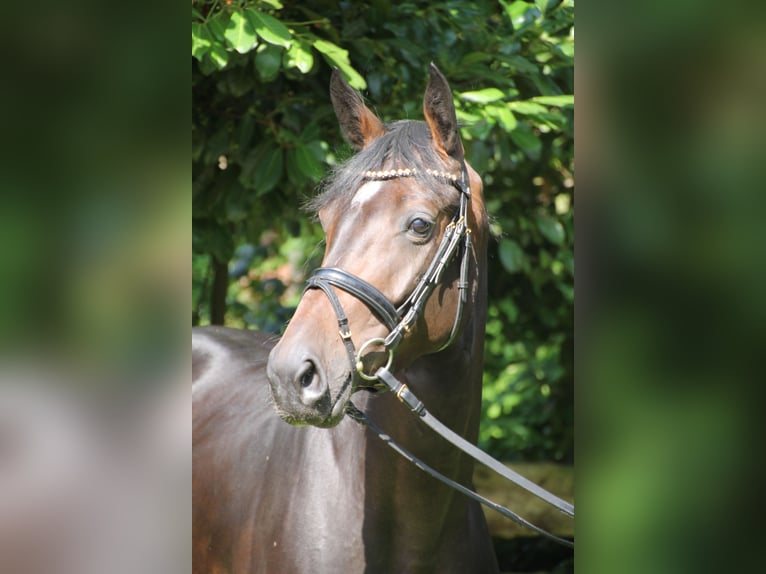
(231, 416)
(262, 487)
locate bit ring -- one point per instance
(360, 364)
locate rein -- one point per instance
(406, 396)
(399, 321)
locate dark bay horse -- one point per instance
(322, 494)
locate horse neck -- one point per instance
(416, 507)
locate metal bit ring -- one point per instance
(360, 364)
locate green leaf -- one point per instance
(567, 291)
(503, 115)
(544, 84)
(262, 168)
(212, 238)
(509, 309)
(299, 56)
(238, 203)
(482, 96)
(201, 40)
(269, 28)
(295, 176)
(556, 101)
(551, 228)
(239, 81)
(468, 118)
(525, 138)
(240, 34)
(516, 11)
(246, 129)
(216, 144)
(198, 145)
(567, 49)
(337, 56)
(308, 163)
(519, 64)
(207, 66)
(527, 108)
(217, 27)
(268, 61)
(219, 55)
(511, 255)
(510, 401)
(545, 5)
(475, 58)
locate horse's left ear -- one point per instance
(439, 111)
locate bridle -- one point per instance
(399, 321)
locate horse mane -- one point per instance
(406, 144)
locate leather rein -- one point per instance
(399, 321)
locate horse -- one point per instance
(283, 480)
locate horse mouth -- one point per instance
(371, 388)
(327, 412)
(338, 410)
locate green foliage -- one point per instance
(263, 135)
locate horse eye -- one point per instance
(420, 226)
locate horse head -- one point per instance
(399, 218)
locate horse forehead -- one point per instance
(374, 204)
(376, 194)
(366, 192)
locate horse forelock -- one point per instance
(406, 144)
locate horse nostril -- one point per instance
(312, 390)
(307, 377)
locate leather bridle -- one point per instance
(399, 321)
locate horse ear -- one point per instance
(358, 124)
(439, 111)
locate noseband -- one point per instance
(399, 320)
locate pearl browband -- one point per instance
(408, 172)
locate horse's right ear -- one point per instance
(358, 124)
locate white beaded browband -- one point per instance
(408, 172)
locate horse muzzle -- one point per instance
(304, 392)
